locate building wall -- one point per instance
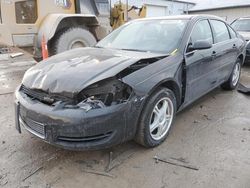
(157, 6)
(173, 8)
(229, 14)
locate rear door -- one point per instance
(199, 63)
(225, 50)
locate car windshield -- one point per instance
(241, 25)
(157, 36)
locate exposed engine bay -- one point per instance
(109, 92)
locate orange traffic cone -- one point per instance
(45, 52)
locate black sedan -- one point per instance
(131, 84)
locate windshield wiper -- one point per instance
(135, 50)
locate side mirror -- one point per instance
(199, 45)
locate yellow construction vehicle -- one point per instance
(65, 24)
(121, 13)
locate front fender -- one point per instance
(146, 79)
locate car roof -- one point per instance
(183, 17)
(244, 18)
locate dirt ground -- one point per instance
(213, 135)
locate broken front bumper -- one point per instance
(76, 129)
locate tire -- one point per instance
(147, 136)
(234, 78)
(70, 38)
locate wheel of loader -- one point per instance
(71, 38)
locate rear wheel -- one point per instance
(71, 38)
(157, 118)
(234, 78)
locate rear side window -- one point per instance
(241, 25)
(232, 33)
(220, 31)
(202, 31)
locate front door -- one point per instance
(200, 66)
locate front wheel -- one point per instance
(74, 37)
(157, 118)
(234, 78)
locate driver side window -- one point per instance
(201, 32)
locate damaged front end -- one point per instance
(101, 115)
(88, 105)
(111, 91)
(102, 94)
(99, 95)
(108, 92)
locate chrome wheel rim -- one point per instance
(236, 74)
(161, 118)
(77, 44)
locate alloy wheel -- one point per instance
(236, 74)
(161, 118)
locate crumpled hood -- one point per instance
(72, 71)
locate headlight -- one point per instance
(102, 94)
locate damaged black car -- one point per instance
(131, 84)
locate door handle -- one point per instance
(214, 54)
(234, 46)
